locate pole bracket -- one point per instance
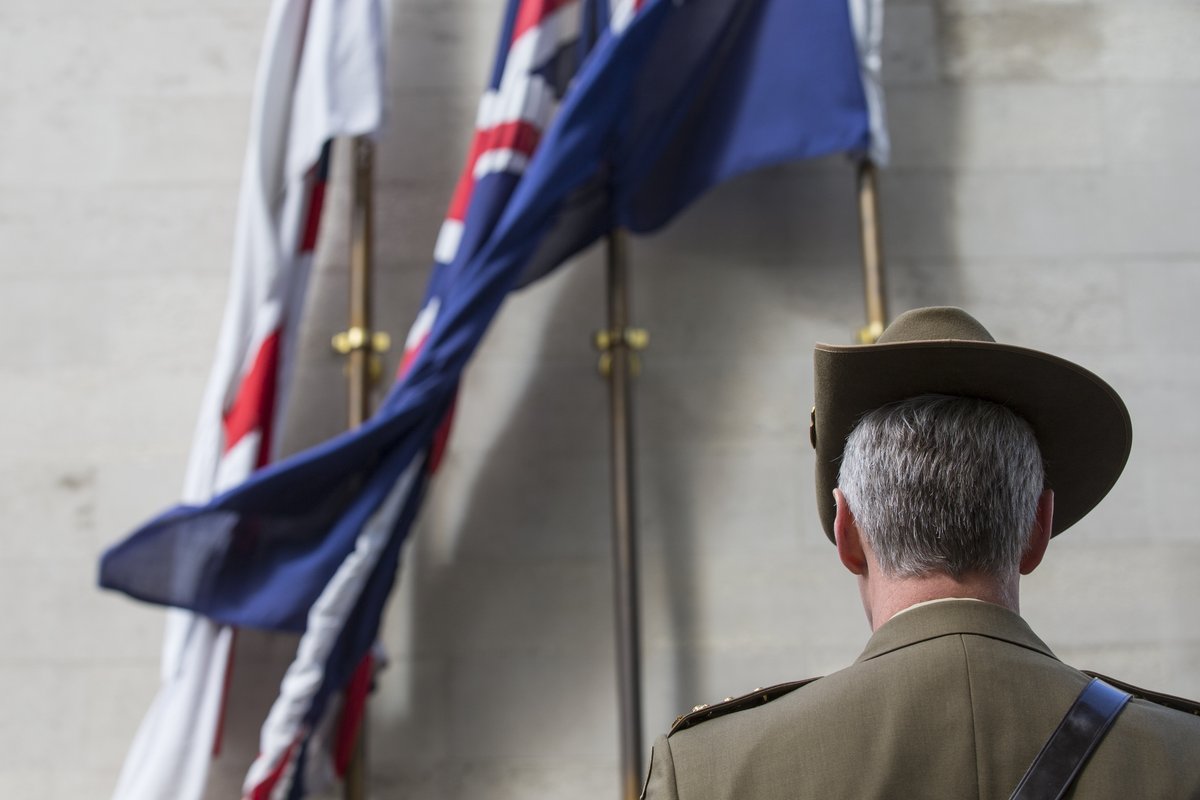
(633, 339)
(871, 333)
(357, 338)
(362, 340)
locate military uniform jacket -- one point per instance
(949, 700)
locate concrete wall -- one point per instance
(1044, 177)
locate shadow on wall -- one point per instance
(502, 628)
(501, 625)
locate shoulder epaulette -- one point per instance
(731, 705)
(1170, 701)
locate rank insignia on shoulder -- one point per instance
(1167, 700)
(731, 705)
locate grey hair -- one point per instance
(943, 484)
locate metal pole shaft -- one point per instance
(625, 575)
(872, 251)
(359, 375)
(360, 282)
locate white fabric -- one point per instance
(623, 12)
(449, 237)
(866, 19)
(171, 752)
(326, 620)
(320, 76)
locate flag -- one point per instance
(320, 76)
(596, 116)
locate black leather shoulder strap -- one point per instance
(1158, 698)
(1064, 753)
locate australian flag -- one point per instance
(598, 115)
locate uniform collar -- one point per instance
(932, 620)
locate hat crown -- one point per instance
(937, 322)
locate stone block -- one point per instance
(429, 133)
(57, 326)
(129, 492)
(1150, 43)
(128, 140)
(409, 214)
(50, 508)
(806, 212)
(682, 396)
(1156, 667)
(175, 140)
(736, 603)
(552, 321)
(1172, 474)
(81, 231)
(60, 142)
(518, 709)
(1023, 42)
(59, 608)
(191, 52)
(997, 126)
(910, 45)
(989, 215)
(23, 781)
(539, 407)
(141, 415)
(408, 718)
(84, 782)
(510, 608)
(499, 504)
(723, 306)
(457, 37)
(31, 418)
(1043, 304)
(1157, 386)
(1150, 215)
(42, 705)
(1159, 295)
(118, 696)
(544, 777)
(1155, 127)
(1087, 592)
(725, 500)
(428, 781)
(127, 321)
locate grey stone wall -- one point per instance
(1044, 177)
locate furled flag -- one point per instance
(595, 117)
(320, 76)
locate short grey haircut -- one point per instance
(943, 484)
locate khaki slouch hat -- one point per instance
(1082, 426)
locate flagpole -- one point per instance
(872, 252)
(619, 364)
(361, 347)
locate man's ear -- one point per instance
(847, 536)
(1039, 537)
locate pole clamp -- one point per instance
(633, 339)
(871, 333)
(359, 339)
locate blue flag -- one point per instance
(594, 118)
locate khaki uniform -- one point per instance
(949, 700)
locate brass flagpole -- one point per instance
(872, 252)
(361, 347)
(619, 364)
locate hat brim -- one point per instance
(1081, 424)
